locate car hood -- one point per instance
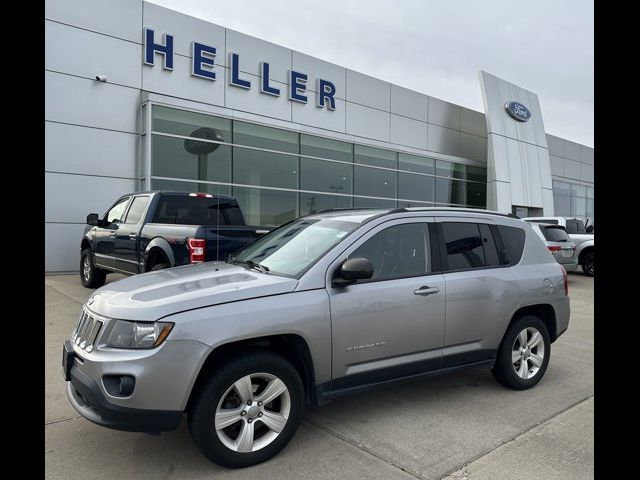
(151, 296)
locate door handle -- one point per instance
(132, 236)
(426, 291)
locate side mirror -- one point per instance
(92, 219)
(352, 270)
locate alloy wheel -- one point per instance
(252, 412)
(86, 268)
(527, 353)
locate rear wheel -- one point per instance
(90, 275)
(587, 264)
(524, 354)
(248, 411)
(159, 266)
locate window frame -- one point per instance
(144, 212)
(127, 199)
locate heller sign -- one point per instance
(203, 66)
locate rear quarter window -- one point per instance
(185, 210)
(512, 244)
(554, 234)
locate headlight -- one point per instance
(125, 334)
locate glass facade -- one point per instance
(278, 174)
(573, 200)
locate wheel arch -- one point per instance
(292, 347)
(85, 244)
(585, 251)
(544, 312)
(156, 247)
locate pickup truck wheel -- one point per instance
(524, 353)
(248, 411)
(159, 266)
(90, 275)
(587, 264)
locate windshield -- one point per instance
(293, 248)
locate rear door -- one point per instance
(393, 324)
(127, 236)
(104, 238)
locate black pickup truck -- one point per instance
(154, 230)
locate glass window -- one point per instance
(554, 233)
(316, 202)
(177, 186)
(359, 202)
(416, 187)
(512, 240)
(476, 194)
(415, 163)
(191, 159)
(409, 204)
(451, 191)
(374, 182)
(590, 207)
(292, 249)
(443, 168)
(578, 207)
(578, 190)
(268, 169)
(477, 174)
(375, 156)
(464, 245)
(322, 176)
(326, 148)
(114, 215)
(490, 249)
(589, 192)
(190, 124)
(266, 207)
(136, 210)
(561, 205)
(397, 252)
(184, 210)
(265, 137)
(561, 188)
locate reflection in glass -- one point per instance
(415, 163)
(326, 148)
(477, 174)
(476, 194)
(561, 188)
(177, 186)
(266, 207)
(182, 122)
(322, 176)
(578, 207)
(316, 202)
(373, 203)
(257, 167)
(416, 187)
(374, 182)
(450, 191)
(265, 137)
(561, 205)
(375, 156)
(578, 190)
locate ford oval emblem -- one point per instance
(518, 111)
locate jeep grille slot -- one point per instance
(86, 332)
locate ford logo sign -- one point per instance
(518, 111)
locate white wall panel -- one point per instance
(253, 101)
(86, 54)
(69, 198)
(586, 172)
(471, 146)
(586, 154)
(62, 246)
(571, 150)
(443, 140)
(444, 113)
(369, 91)
(408, 103)
(571, 169)
(407, 131)
(557, 165)
(367, 122)
(252, 51)
(472, 122)
(556, 145)
(316, 68)
(87, 102)
(93, 151)
(310, 114)
(119, 18)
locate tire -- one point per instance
(159, 266)
(90, 275)
(224, 444)
(514, 374)
(587, 264)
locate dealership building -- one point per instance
(140, 97)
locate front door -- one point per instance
(104, 237)
(127, 236)
(391, 325)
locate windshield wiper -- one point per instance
(251, 264)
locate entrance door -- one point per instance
(391, 325)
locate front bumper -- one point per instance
(86, 397)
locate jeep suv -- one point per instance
(328, 304)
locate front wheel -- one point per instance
(524, 353)
(587, 264)
(90, 275)
(248, 411)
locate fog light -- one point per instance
(119, 385)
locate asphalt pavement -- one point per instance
(459, 426)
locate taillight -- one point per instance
(201, 195)
(565, 278)
(554, 248)
(196, 249)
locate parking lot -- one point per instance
(463, 425)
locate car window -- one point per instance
(115, 213)
(575, 227)
(554, 233)
(512, 240)
(490, 249)
(136, 210)
(463, 244)
(188, 210)
(397, 252)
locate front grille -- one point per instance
(87, 331)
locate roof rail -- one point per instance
(421, 209)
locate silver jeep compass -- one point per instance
(328, 304)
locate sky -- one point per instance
(437, 47)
